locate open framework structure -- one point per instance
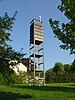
(36, 62)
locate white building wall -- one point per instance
(18, 67)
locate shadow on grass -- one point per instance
(13, 96)
(47, 88)
(72, 84)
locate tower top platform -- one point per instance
(36, 21)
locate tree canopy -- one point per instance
(7, 52)
(66, 33)
(58, 67)
(61, 73)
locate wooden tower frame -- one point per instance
(36, 62)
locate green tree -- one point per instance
(48, 75)
(73, 66)
(6, 51)
(65, 33)
(67, 67)
(61, 73)
(58, 67)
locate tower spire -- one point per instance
(40, 18)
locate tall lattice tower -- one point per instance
(36, 62)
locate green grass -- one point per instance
(58, 91)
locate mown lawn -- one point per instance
(58, 91)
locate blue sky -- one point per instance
(27, 10)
